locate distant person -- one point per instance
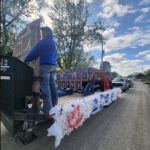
(110, 83)
(99, 84)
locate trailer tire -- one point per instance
(125, 90)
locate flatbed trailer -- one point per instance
(17, 95)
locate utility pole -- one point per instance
(102, 56)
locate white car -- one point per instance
(121, 83)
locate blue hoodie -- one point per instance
(46, 49)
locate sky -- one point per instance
(127, 47)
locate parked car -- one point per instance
(120, 82)
(131, 82)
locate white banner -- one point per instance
(73, 113)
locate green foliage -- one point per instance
(71, 31)
(14, 14)
(129, 76)
(11, 41)
(114, 74)
(148, 72)
(139, 75)
(106, 66)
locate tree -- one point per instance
(11, 41)
(114, 74)
(148, 72)
(129, 76)
(106, 66)
(139, 75)
(71, 31)
(13, 14)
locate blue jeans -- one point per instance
(48, 86)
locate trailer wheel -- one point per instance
(125, 90)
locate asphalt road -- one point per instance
(124, 125)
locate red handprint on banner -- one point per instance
(75, 118)
(117, 95)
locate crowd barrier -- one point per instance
(73, 113)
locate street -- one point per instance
(124, 125)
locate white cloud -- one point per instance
(133, 38)
(139, 18)
(133, 47)
(89, 1)
(145, 10)
(98, 59)
(116, 24)
(143, 53)
(134, 28)
(144, 2)
(147, 57)
(139, 68)
(96, 66)
(122, 65)
(120, 42)
(111, 7)
(114, 58)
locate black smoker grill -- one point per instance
(16, 93)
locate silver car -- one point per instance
(121, 83)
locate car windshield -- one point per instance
(118, 80)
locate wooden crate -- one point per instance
(78, 84)
(65, 76)
(67, 70)
(74, 76)
(74, 69)
(90, 70)
(59, 84)
(61, 76)
(67, 84)
(57, 77)
(84, 69)
(70, 71)
(64, 71)
(79, 76)
(72, 84)
(69, 76)
(63, 84)
(79, 70)
(85, 76)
